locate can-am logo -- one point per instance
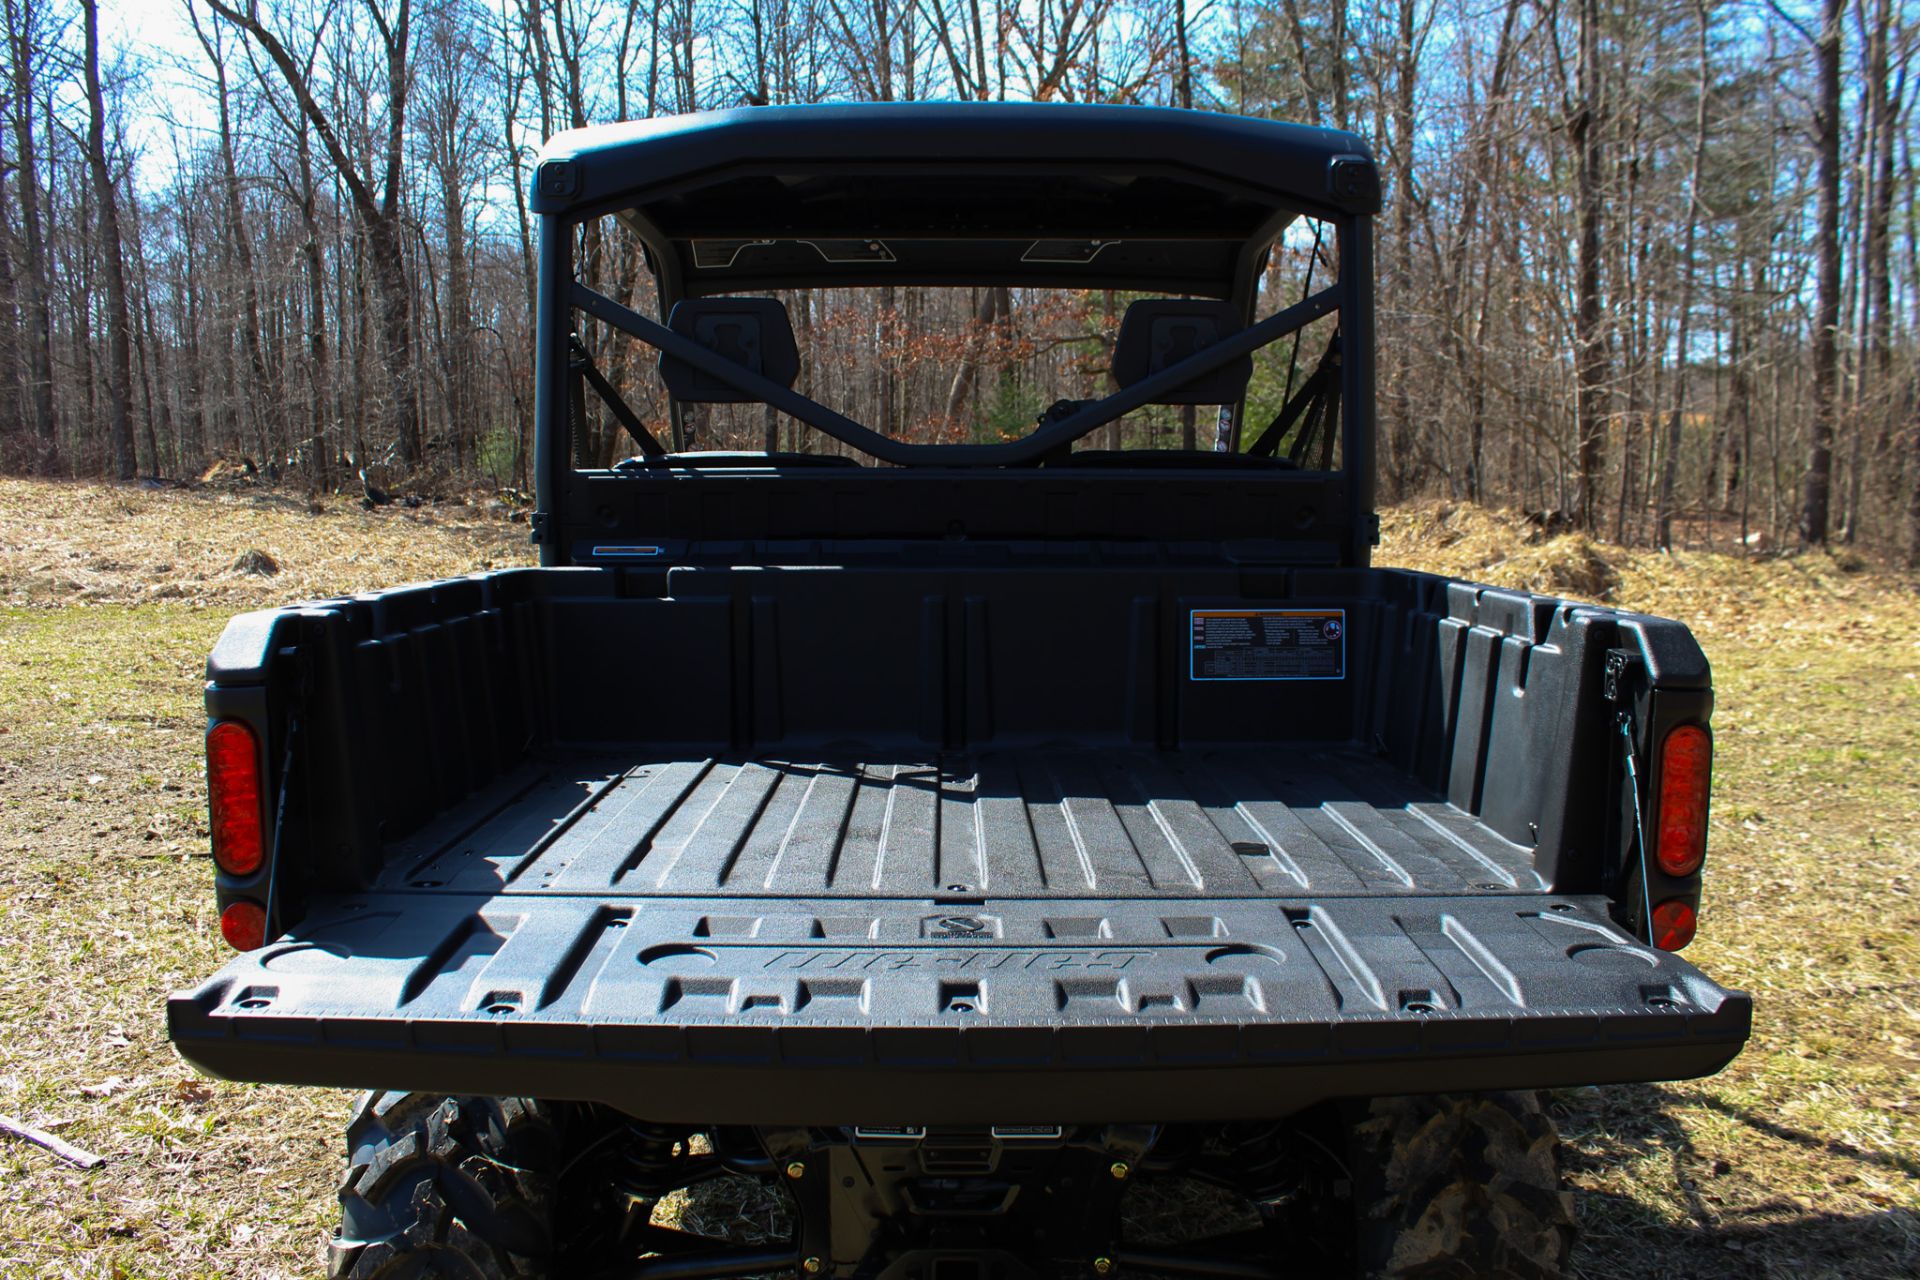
(961, 928)
(972, 961)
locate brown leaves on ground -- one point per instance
(234, 547)
(1716, 592)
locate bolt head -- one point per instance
(1120, 1169)
(812, 1266)
(796, 1170)
(1102, 1266)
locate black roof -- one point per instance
(956, 193)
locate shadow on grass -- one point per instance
(1741, 1222)
(1812, 1142)
(1621, 1241)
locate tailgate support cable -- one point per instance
(286, 789)
(1639, 819)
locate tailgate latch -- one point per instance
(1615, 684)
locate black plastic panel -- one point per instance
(811, 516)
(1027, 148)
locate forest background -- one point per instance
(1648, 268)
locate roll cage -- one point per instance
(1123, 198)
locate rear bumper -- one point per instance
(841, 1012)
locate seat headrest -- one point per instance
(754, 332)
(1158, 332)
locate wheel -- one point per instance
(440, 1186)
(1464, 1185)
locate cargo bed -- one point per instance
(1046, 824)
(1046, 935)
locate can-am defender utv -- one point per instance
(1039, 853)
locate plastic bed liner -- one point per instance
(1033, 824)
(1038, 936)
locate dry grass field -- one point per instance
(1802, 1160)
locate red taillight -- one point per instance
(244, 925)
(1673, 924)
(1686, 769)
(233, 795)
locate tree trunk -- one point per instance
(119, 353)
(187, 322)
(986, 320)
(162, 399)
(885, 378)
(356, 303)
(13, 415)
(263, 408)
(1913, 524)
(1738, 429)
(1183, 75)
(1400, 428)
(1457, 269)
(1338, 52)
(319, 447)
(1817, 490)
(1676, 417)
(459, 315)
(1590, 341)
(149, 347)
(1883, 116)
(23, 22)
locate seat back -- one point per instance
(1159, 332)
(754, 332)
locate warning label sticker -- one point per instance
(1269, 644)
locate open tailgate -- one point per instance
(962, 1010)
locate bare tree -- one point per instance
(1882, 105)
(1591, 357)
(1817, 490)
(960, 30)
(451, 132)
(26, 33)
(119, 357)
(259, 398)
(376, 189)
(1670, 468)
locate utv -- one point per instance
(988, 855)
